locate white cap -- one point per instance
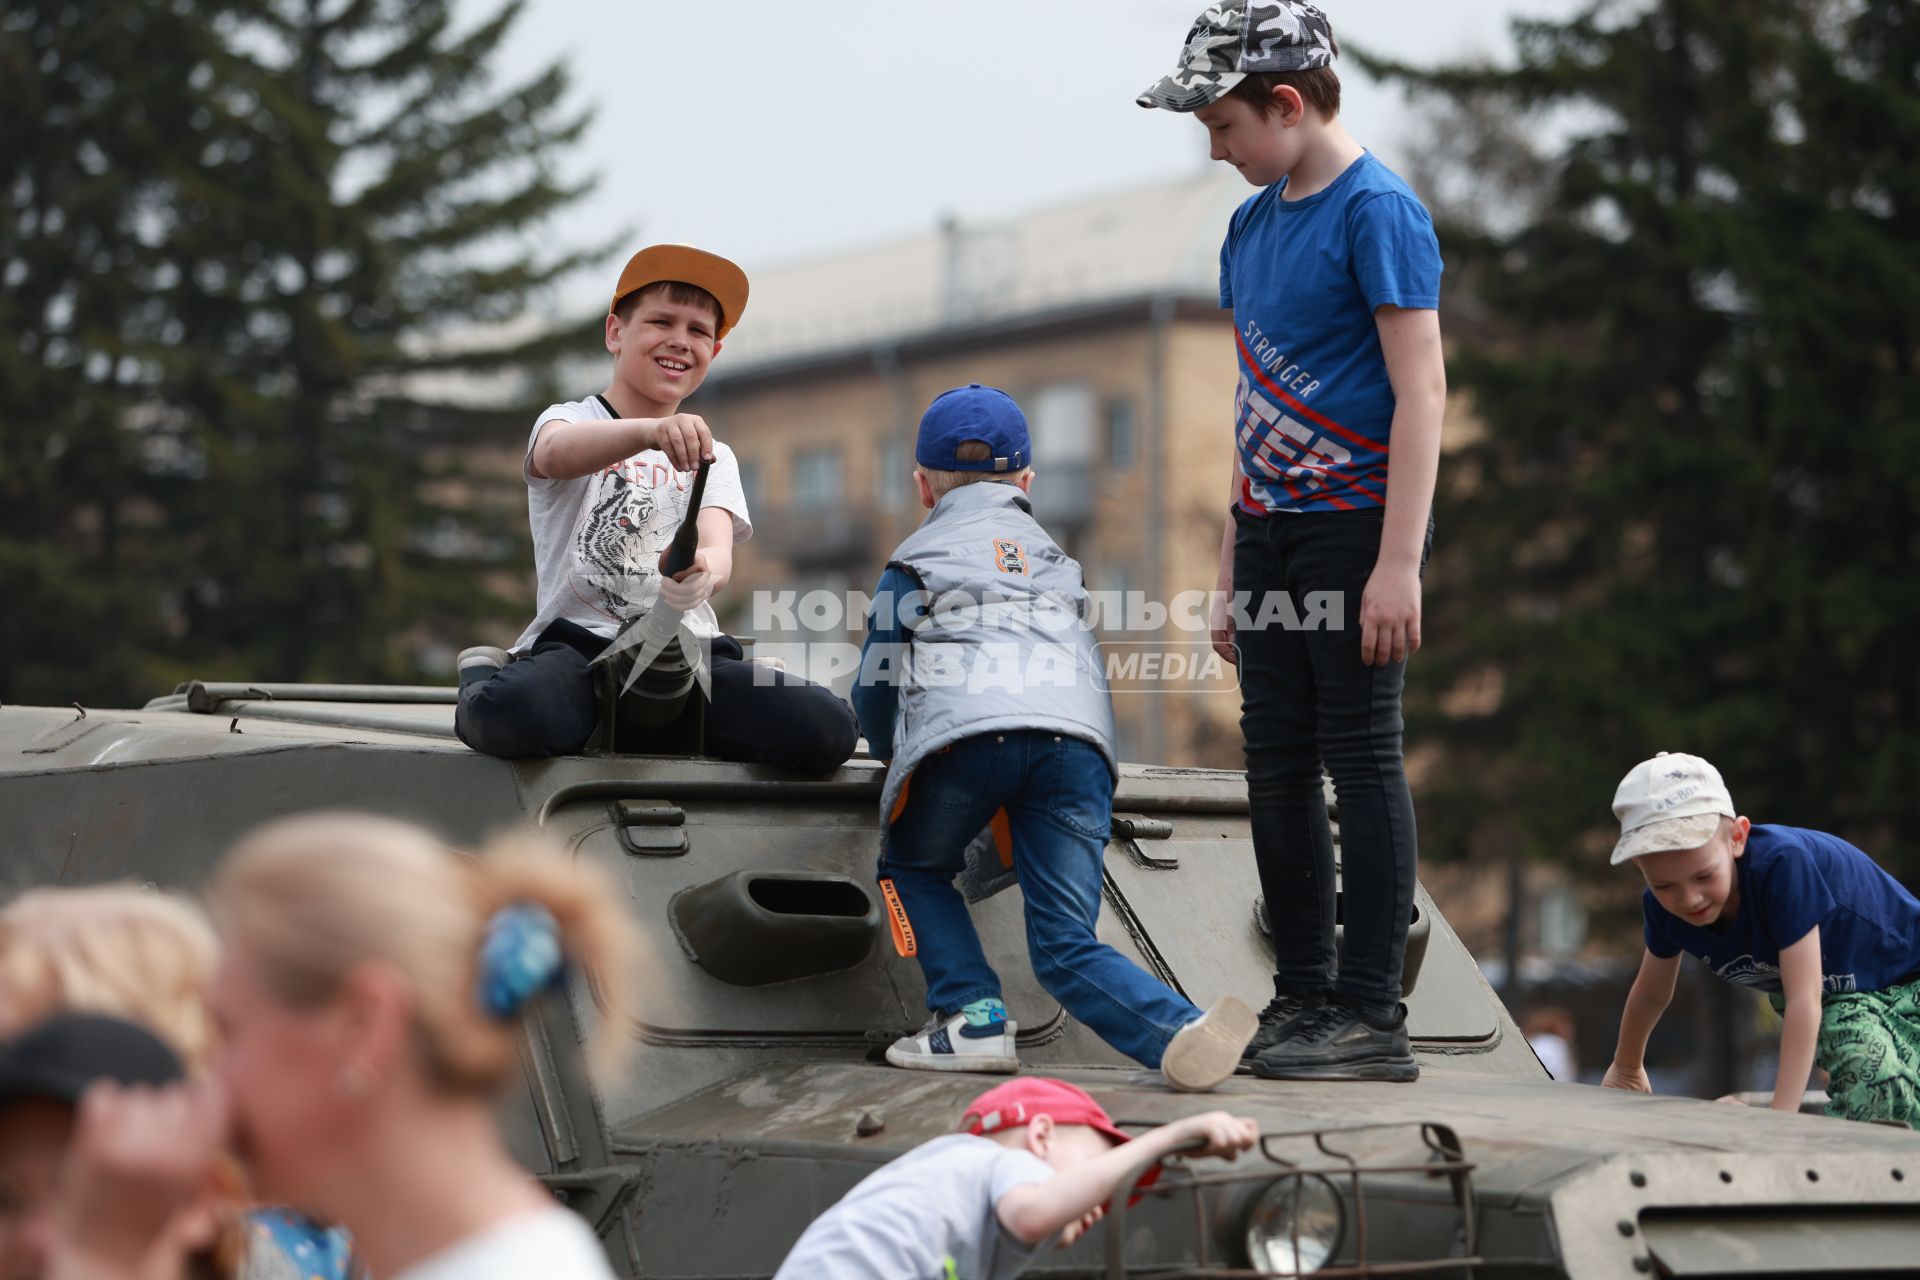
(1669, 802)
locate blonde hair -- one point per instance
(313, 897)
(944, 482)
(115, 949)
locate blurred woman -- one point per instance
(114, 949)
(369, 1003)
(148, 957)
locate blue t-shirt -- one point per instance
(1304, 277)
(1790, 880)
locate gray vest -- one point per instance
(1005, 645)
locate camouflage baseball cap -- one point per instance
(1236, 37)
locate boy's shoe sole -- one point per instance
(1391, 1070)
(906, 1052)
(985, 1064)
(1207, 1050)
(1336, 1044)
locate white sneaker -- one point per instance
(950, 1044)
(479, 657)
(1207, 1050)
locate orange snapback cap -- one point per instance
(682, 262)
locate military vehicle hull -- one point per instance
(758, 1095)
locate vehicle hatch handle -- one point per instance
(650, 828)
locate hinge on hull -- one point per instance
(595, 1194)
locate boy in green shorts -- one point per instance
(1800, 914)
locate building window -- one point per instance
(1120, 433)
(891, 486)
(1065, 418)
(816, 479)
(1115, 587)
(750, 486)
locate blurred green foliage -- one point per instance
(253, 263)
(1683, 240)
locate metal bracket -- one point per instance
(1129, 829)
(1134, 826)
(595, 1194)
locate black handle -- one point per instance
(678, 557)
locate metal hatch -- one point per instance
(726, 826)
(1188, 895)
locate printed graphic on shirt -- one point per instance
(628, 519)
(1750, 971)
(1009, 556)
(1291, 455)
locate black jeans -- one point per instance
(1307, 699)
(542, 705)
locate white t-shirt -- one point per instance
(550, 1244)
(597, 539)
(928, 1215)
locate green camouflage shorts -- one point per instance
(1870, 1048)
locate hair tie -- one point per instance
(519, 958)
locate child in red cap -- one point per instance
(1035, 1162)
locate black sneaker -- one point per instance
(1279, 1015)
(1334, 1042)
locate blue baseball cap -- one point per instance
(974, 412)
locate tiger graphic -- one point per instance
(624, 526)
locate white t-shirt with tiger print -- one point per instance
(597, 539)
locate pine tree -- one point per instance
(93, 110)
(1691, 520)
(333, 202)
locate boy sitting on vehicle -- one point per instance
(1035, 1161)
(607, 487)
(1797, 913)
(978, 641)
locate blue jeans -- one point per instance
(1059, 801)
(1307, 698)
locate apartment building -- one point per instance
(1101, 317)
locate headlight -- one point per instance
(1295, 1226)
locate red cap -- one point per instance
(1022, 1098)
(1019, 1100)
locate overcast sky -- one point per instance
(776, 130)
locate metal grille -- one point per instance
(1325, 1155)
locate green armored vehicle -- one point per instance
(759, 1095)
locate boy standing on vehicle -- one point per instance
(1035, 1161)
(1333, 274)
(1799, 914)
(607, 486)
(978, 644)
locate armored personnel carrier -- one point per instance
(759, 1096)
